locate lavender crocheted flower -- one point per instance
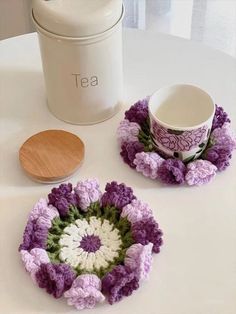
(218, 156)
(220, 118)
(62, 198)
(43, 213)
(128, 131)
(35, 235)
(224, 137)
(129, 151)
(88, 192)
(138, 112)
(85, 292)
(147, 231)
(139, 259)
(200, 172)
(33, 259)
(119, 283)
(117, 195)
(172, 171)
(148, 163)
(136, 211)
(55, 278)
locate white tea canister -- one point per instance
(81, 50)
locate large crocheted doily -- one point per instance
(88, 246)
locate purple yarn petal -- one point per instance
(119, 283)
(117, 195)
(146, 231)
(62, 197)
(172, 171)
(138, 112)
(55, 278)
(218, 156)
(220, 118)
(129, 151)
(35, 235)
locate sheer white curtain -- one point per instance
(15, 18)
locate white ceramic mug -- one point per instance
(181, 120)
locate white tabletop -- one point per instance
(195, 273)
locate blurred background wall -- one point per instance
(212, 22)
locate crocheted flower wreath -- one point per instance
(140, 152)
(88, 246)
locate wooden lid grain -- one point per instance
(51, 156)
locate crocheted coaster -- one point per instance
(140, 152)
(88, 246)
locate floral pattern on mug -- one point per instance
(179, 140)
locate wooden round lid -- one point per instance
(51, 156)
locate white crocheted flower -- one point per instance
(91, 245)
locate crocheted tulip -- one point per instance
(148, 163)
(129, 151)
(88, 192)
(35, 235)
(200, 172)
(55, 278)
(127, 131)
(218, 156)
(33, 259)
(224, 137)
(147, 231)
(172, 171)
(85, 292)
(138, 112)
(220, 118)
(119, 283)
(62, 197)
(136, 210)
(43, 213)
(117, 195)
(139, 259)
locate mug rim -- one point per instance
(180, 128)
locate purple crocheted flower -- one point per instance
(128, 131)
(218, 156)
(146, 231)
(148, 163)
(139, 259)
(43, 213)
(119, 283)
(88, 192)
(129, 151)
(85, 292)
(62, 197)
(200, 172)
(220, 118)
(33, 259)
(224, 137)
(136, 210)
(138, 112)
(172, 171)
(55, 278)
(35, 235)
(117, 195)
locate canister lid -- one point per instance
(77, 18)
